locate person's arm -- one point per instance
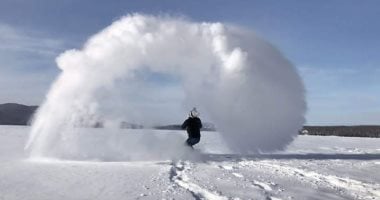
(184, 125)
(200, 124)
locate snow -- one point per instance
(312, 167)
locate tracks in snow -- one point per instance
(265, 179)
(355, 188)
(178, 175)
(266, 189)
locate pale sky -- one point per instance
(335, 45)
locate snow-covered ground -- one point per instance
(313, 167)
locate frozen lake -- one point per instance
(312, 167)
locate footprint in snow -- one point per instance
(226, 167)
(262, 185)
(238, 175)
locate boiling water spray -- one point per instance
(252, 94)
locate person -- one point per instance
(193, 125)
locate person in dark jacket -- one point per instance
(193, 127)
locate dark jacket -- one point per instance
(192, 126)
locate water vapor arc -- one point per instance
(247, 88)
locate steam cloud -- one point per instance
(246, 87)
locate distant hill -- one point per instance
(16, 114)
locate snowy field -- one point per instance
(313, 167)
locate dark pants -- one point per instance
(192, 141)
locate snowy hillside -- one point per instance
(313, 167)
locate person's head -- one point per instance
(193, 113)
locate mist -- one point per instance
(243, 84)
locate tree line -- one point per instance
(346, 131)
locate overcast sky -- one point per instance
(334, 44)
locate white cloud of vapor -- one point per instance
(242, 83)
